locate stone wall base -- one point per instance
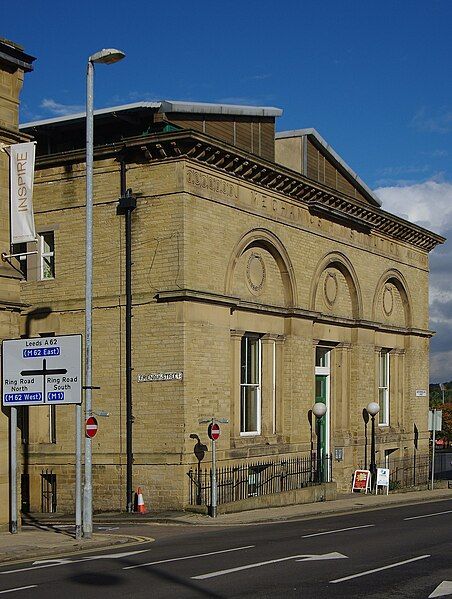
(324, 492)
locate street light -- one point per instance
(105, 56)
(319, 411)
(373, 408)
(366, 421)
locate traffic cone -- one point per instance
(141, 508)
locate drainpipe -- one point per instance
(126, 204)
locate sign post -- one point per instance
(13, 466)
(434, 424)
(37, 372)
(213, 431)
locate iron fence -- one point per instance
(408, 472)
(242, 481)
(443, 465)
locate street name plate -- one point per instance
(42, 371)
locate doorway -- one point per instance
(322, 395)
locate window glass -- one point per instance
(249, 409)
(383, 387)
(319, 387)
(250, 384)
(322, 355)
(47, 255)
(250, 360)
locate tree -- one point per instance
(436, 402)
(446, 433)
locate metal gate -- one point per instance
(48, 492)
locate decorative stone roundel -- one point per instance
(388, 300)
(255, 273)
(330, 288)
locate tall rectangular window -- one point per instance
(250, 385)
(383, 387)
(37, 261)
(46, 252)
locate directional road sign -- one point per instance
(42, 371)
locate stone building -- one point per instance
(265, 276)
(14, 63)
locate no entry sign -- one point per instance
(91, 427)
(213, 431)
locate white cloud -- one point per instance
(57, 109)
(439, 122)
(440, 366)
(429, 204)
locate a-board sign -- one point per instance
(361, 480)
(382, 479)
(213, 431)
(42, 371)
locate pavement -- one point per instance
(46, 535)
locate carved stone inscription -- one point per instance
(282, 210)
(212, 184)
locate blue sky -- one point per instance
(372, 78)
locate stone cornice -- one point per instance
(234, 303)
(12, 136)
(216, 154)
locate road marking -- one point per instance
(330, 532)
(31, 586)
(272, 561)
(177, 559)
(407, 561)
(429, 515)
(315, 558)
(50, 563)
(445, 588)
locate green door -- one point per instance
(320, 396)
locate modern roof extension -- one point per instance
(333, 157)
(165, 106)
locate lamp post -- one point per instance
(373, 408)
(106, 56)
(366, 421)
(319, 411)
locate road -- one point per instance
(399, 552)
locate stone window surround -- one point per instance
(271, 396)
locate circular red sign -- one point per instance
(213, 431)
(91, 427)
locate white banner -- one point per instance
(22, 169)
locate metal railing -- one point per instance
(409, 472)
(443, 465)
(254, 479)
